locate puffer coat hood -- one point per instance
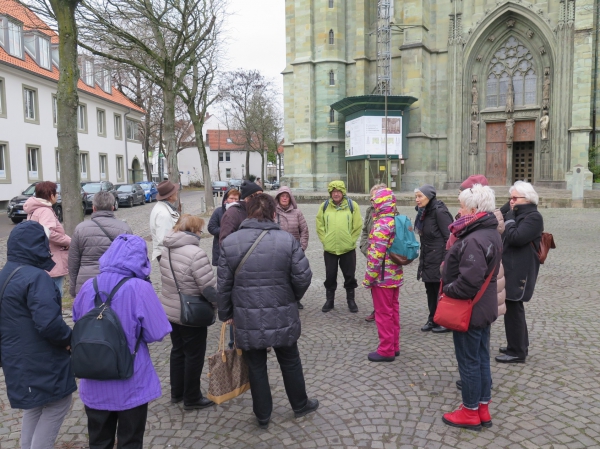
(127, 256)
(263, 300)
(467, 264)
(338, 185)
(292, 219)
(381, 271)
(36, 363)
(192, 269)
(41, 211)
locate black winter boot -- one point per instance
(351, 303)
(329, 302)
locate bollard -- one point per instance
(577, 186)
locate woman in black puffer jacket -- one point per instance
(433, 219)
(523, 227)
(263, 303)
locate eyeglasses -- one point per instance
(515, 198)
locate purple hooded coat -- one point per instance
(138, 307)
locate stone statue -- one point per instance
(510, 98)
(475, 96)
(546, 93)
(544, 123)
(474, 129)
(510, 125)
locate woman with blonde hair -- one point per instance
(183, 258)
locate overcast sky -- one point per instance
(256, 37)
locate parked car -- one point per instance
(237, 183)
(15, 205)
(91, 188)
(219, 187)
(130, 194)
(150, 190)
(275, 185)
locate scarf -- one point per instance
(457, 227)
(419, 220)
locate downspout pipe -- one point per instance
(125, 139)
(595, 85)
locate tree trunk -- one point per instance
(247, 164)
(169, 129)
(67, 103)
(198, 123)
(147, 125)
(262, 168)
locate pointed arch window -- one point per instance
(512, 62)
(331, 3)
(331, 78)
(331, 37)
(331, 115)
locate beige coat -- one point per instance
(291, 219)
(500, 278)
(191, 266)
(41, 211)
(162, 220)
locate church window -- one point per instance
(511, 63)
(331, 37)
(331, 115)
(331, 78)
(331, 3)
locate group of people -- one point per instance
(262, 274)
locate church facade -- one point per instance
(503, 88)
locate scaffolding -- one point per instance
(384, 53)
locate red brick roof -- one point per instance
(224, 139)
(33, 22)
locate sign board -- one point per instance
(366, 136)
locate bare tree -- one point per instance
(251, 112)
(160, 39)
(61, 14)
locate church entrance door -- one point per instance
(523, 151)
(495, 153)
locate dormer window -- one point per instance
(87, 71)
(15, 39)
(54, 54)
(103, 79)
(38, 47)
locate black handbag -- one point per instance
(196, 311)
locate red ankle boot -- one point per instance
(484, 415)
(464, 418)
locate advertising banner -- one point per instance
(366, 136)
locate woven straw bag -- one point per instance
(227, 373)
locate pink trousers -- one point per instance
(387, 318)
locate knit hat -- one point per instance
(248, 188)
(472, 180)
(428, 190)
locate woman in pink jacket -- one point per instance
(384, 277)
(39, 208)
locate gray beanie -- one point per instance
(428, 190)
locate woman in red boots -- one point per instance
(474, 257)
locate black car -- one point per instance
(15, 206)
(130, 194)
(275, 185)
(219, 187)
(91, 188)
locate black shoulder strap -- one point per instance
(8, 279)
(262, 234)
(98, 301)
(103, 230)
(325, 204)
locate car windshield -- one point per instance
(92, 188)
(145, 185)
(124, 188)
(29, 190)
(219, 183)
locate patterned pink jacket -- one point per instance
(381, 271)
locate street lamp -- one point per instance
(243, 171)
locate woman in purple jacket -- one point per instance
(121, 406)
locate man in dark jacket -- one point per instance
(91, 239)
(35, 339)
(263, 303)
(233, 217)
(433, 219)
(231, 197)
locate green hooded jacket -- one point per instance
(338, 228)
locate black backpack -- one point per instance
(99, 347)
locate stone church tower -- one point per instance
(504, 88)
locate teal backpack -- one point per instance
(405, 248)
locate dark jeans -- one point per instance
(187, 361)
(347, 263)
(293, 379)
(473, 357)
(433, 291)
(515, 326)
(129, 426)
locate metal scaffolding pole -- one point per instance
(384, 67)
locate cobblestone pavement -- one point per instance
(549, 402)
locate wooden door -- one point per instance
(495, 153)
(524, 131)
(523, 161)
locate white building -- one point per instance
(108, 122)
(226, 158)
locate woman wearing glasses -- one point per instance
(523, 226)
